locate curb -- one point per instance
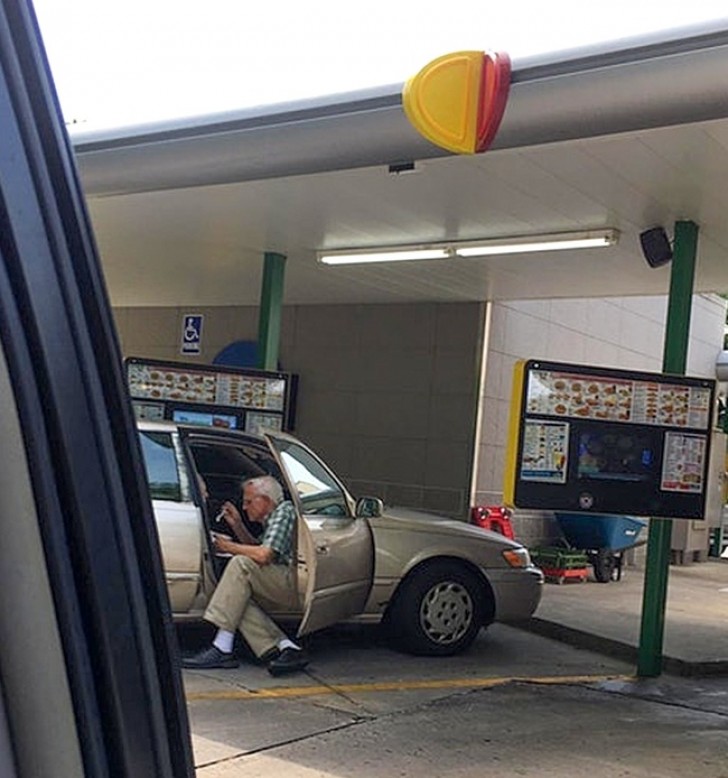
(619, 650)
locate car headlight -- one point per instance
(517, 557)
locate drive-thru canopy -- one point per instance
(627, 136)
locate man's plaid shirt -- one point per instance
(278, 533)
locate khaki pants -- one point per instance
(245, 586)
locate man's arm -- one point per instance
(235, 521)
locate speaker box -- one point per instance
(656, 246)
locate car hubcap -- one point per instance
(446, 612)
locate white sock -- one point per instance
(224, 641)
(286, 643)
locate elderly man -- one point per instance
(258, 574)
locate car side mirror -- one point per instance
(369, 507)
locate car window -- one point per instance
(160, 460)
(225, 465)
(317, 489)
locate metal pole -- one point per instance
(677, 330)
(271, 305)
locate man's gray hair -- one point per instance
(267, 486)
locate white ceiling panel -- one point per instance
(205, 245)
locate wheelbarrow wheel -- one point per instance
(604, 564)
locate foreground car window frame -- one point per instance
(87, 523)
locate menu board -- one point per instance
(593, 439)
(553, 393)
(235, 398)
(163, 382)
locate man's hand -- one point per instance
(231, 515)
(224, 545)
(235, 521)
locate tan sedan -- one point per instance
(433, 582)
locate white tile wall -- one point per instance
(563, 343)
(602, 319)
(571, 314)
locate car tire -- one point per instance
(438, 610)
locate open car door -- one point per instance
(335, 549)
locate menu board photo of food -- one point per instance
(149, 382)
(682, 468)
(617, 399)
(248, 392)
(545, 452)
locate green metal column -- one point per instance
(271, 305)
(677, 331)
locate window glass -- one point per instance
(225, 466)
(317, 488)
(160, 460)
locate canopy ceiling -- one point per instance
(627, 136)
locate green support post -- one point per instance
(271, 306)
(677, 331)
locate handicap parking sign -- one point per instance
(191, 334)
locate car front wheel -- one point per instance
(437, 611)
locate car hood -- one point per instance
(408, 520)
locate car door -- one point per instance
(178, 519)
(336, 549)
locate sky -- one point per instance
(129, 62)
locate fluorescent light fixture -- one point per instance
(381, 255)
(557, 241)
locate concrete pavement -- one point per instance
(518, 704)
(355, 676)
(607, 617)
(516, 730)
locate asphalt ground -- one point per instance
(517, 704)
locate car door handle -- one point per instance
(322, 549)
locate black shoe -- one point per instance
(290, 660)
(210, 658)
(269, 656)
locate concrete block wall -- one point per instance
(156, 333)
(626, 333)
(387, 393)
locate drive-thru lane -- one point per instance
(518, 703)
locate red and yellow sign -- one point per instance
(457, 101)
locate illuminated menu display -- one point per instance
(594, 439)
(609, 399)
(204, 387)
(257, 401)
